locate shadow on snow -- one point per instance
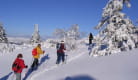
(81, 77)
(6, 77)
(90, 46)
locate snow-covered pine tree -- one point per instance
(117, 33)
(60, 33)
(3, 38)
(73, 35)
(74, 32)
(70, 36)
(35, 37)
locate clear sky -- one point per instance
(19, 16)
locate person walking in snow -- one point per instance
(60, 52)
(37, 51)
(18, 66)
(90, 38)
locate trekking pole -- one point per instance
(66, 56)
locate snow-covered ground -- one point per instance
(79, 66)
(121, 66)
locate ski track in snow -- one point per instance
(55, 66)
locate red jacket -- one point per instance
(62, 48)
(21, 64)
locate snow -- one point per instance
(103, 60)
(115, 67)
(79, 66)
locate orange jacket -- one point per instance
(39, 51)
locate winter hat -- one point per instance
(19, 55)
(62, 41)
(39, 45)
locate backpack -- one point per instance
(58, 46)
(34, 52)
(15, 66)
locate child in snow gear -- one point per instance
(37, 51)
(90, 38)
(18, 65)
(60, 52)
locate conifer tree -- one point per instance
(35, 37)
(117, 32)
(3, 38)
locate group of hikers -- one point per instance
(18, 65)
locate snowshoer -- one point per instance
(90, 38)
(37, 51)
(60, 52)
(18, 65)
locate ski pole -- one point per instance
(66, 58)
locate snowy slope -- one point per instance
(120, 66)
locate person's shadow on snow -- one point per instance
(43, 59)
(6, 77)
(81, 77)
(90, 47)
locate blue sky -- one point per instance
(19, 16)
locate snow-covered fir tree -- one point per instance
(70, 36)
(3, 38)
(35, 37)
(117, 33)
(73, 35)
(74, 32)
(60, 33)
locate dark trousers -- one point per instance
(59, 57)
(90, 41)
(35, 63)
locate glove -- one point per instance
(26, 66)
(43, 51)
